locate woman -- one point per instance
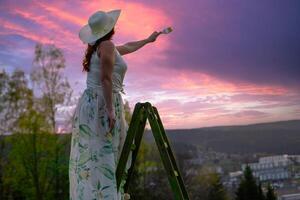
(99, 127)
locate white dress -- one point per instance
(94, 151)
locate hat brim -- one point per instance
(86, 35)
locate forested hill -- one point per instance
(276, 137)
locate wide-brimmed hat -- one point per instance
(99, 24)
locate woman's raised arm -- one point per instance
(130, 47)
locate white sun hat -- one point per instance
(99, 24)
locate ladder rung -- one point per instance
(175, 173)
(133, 147)
(166, 145)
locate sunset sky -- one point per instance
(227, 62)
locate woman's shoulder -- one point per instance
(106, 46)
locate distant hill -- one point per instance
(275, 137)
(281, 137)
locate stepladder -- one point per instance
(142, 112)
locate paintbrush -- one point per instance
(166, 30)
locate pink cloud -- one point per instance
(71, 17)
(184, 98)
(12, 28)
(136, 20)
(199, 98)
(63, 38)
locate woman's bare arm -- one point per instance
(130, 47)
(107, 60)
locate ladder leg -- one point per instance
(165, 155)
(169, 149)
(137, 142)
(133, 139)
(142, 112)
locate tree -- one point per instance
(156, 184)
(30, 156)
(270, 193)
(35, 165)
(4, 78)
(2, 165)
(260, 192)
(141, 183)
(15, 96)
(55, 91)
(206, 184)
(127, 110)
(3, 86)
(247, 189)
(27, 171)
(217, 190)
(47, 74)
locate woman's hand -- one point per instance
(112, 119)
(153, 36)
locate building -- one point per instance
(234, 179)
(290, 197)
(273, 168)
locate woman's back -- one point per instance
(120, 68)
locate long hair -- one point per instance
(92, 48)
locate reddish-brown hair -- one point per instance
(92, 48)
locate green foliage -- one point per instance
(260, 192)
(155, 182)
(205, 183)
(270, 193)
(128, 114)
(29, 169)
(217, 190)
(47, 75)
(140, 172)
(248, 188)
(35, 161)
(15, 98)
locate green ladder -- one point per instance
(141, 112)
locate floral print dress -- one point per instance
(95, 151)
